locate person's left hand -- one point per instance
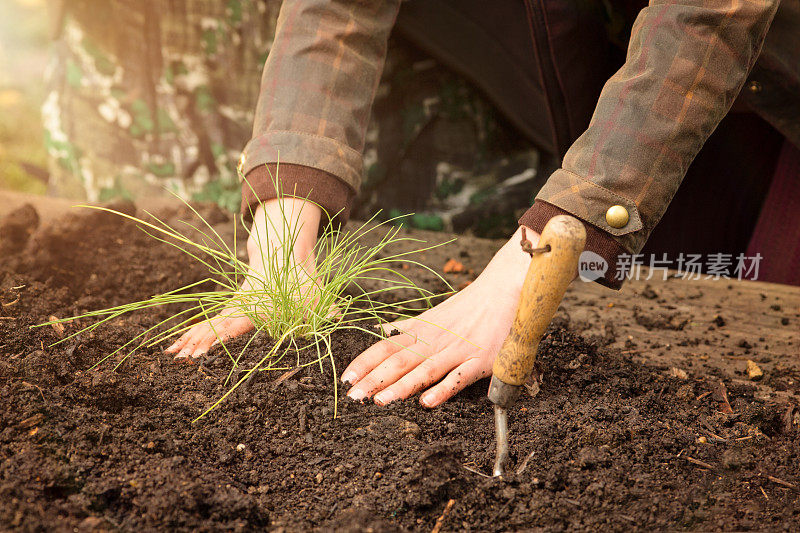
(457, 340)
(275, 223)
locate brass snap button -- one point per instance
(753, 86)
(617, 216)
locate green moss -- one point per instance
(226, 194)
(375, 173)
(496, 226)
(68, 154)
(165, 123)
(448, 188)
(169, 74)
(142, 118)
(74, 73)
(234, 11)
(102, 62)
(427, 221)
(413, 116)
(210, 42)
(480, 196)
(117, 192)
(455, 100)
(204, 100)
(164, 170)
(217, 150)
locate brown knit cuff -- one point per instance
(298, 181)
(597, 240)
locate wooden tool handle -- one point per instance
(546, 282)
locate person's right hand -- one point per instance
(267, 236)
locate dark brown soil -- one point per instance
(608, 443)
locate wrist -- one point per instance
(511, 263)
(281, 221)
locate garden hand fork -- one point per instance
(553, 266)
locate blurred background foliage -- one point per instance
(436, 147)
(23, 59)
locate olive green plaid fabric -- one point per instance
(686, 62)
(318, 85)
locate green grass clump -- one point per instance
(298, 316)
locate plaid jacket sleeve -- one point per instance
(686, 62)
(317, 89)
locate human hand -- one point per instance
(457, 340)
(272, 224)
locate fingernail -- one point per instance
(356, 394)
(384, 398)
(349, 377)
(171, 347)
(427, 400)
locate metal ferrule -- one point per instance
(501, 393)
